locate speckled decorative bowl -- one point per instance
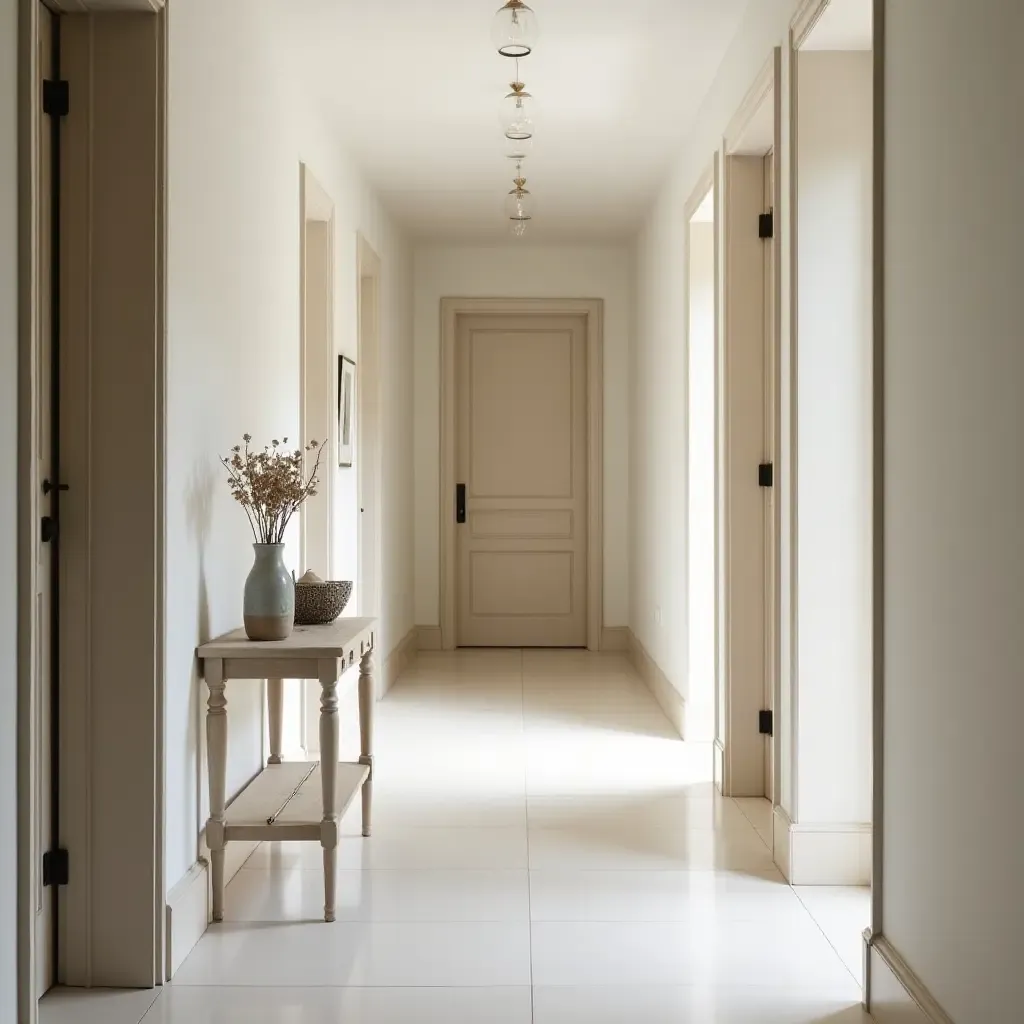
(320, 602)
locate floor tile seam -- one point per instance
(321, 987)
(529, 887)
(831, 944)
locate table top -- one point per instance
(338, 639)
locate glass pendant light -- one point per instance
(517, 114)
(519, 204)
(514, 30)
(517, 150)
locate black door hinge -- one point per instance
(766, 224)
(56, 97)
(460, 503)
(765, 723)
(766, 475)
(56, 867)
(48, 529)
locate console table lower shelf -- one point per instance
(284, 802)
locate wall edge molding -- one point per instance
(894, 994)
(822, 853)
(428, 638)
(400, 658)
(616, 638)
(189, 903)
(669, 699)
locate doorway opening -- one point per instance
(368, 444)
(299, 704)
(702, 432)
(832, 434)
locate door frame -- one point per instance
(113, 913)
(592, 310)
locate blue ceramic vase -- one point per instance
(269, 602)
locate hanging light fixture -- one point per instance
(514, 30)
(517, 114)
(519, 204)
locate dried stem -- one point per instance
(270, 486)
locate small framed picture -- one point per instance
(346, 410)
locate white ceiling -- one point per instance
(414, 87)
(844, 25)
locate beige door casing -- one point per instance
(452, 309)
(112, 257)
(521, 429)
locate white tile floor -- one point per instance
(545, 849)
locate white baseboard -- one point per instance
(895, 995)
(822, 853)
(428, 638)
(189, 910)
(668, 697)
(615, 638)
(399, 660)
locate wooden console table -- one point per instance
(282, 802)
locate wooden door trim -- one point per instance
(111, 919)
(807, 16)
(30, 125)
(592, 310)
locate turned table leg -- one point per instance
(275, 712)
(367, 695)
(216, 752)
(329, 779)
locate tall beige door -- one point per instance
(47, 495)
(770, 549)
(521, 496)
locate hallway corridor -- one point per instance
(544, 850)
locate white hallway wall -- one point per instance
(954, 429)
(8, 507)
(834, 432)
(523, 272)
(237, 134)
(658, 500)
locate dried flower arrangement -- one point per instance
(269, 484)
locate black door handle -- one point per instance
(460, 503)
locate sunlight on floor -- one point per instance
(545, 849)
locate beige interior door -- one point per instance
(770, 548)
(521, 459)
(47, 496)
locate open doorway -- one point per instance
(368, 444)
(832, 434)
(299, 703)
(701, 405)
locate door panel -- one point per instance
(522, 454)
(770, 548)
(44, 923)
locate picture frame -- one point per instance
(346, 411)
